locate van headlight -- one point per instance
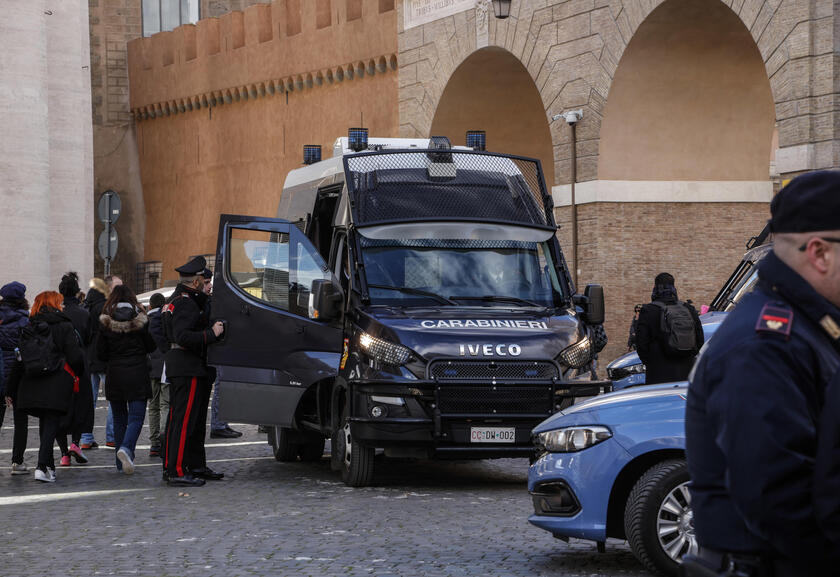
(384, 351)
(577, 355)
(573, 439)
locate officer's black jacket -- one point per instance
(752, 415)
(190, 331)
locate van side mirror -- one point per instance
(592, 303)
(325, 300)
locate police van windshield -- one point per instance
(469, 272)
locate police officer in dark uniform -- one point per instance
(756, 397)
(189, 332)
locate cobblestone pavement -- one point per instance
(269, 518)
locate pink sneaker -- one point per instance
(77, 454)
(65, 461)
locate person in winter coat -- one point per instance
(47, 395)
(663, 365)
(94, 301)
(124, 343)
(14, 315)
(159, 404)
(79, 418)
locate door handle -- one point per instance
(300, 329)
(245, 309)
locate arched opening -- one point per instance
(690, 100)
(492, 91)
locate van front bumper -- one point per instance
(448, 418)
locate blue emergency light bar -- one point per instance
(311, 153)
(477, 140)
(357, 139)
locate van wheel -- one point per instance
(312, 449)
(353, 459)
(284, 450)
(658, 520)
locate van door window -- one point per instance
(307, 266)
(258, 263)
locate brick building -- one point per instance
(693, 112)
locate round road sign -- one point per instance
(107, 244)
(109, 207)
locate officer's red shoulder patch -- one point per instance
(775, 319)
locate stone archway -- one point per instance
(492, 91)
(689, 101)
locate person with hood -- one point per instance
(14, 315)
(123, 344)
(668, 334)
(159, 404)
(45, 373)
(80, 416)
(94, 301)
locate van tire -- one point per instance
(357, 470)
(284, 449)
(642, 510)
(312, 449)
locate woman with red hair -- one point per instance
(45, 373)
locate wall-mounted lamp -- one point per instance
(501, 8)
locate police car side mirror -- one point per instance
(592, 303)
(325, 299)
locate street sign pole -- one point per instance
(109, 209)
(108, 226)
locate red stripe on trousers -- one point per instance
(179, 463)
(168, 428)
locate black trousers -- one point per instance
(47, 428)
(186, 425)
(21, 435)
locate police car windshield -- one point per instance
(476, 272)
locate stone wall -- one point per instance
(45, 150)
(223, 109)
(113, 23)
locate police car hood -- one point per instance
(475, 332)
(634, 399)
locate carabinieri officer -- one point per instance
(189, 332)
(756, 397)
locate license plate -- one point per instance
(492, 435)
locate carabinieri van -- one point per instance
(411, 297)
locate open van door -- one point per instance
(271, 350)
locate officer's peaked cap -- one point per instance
(810, 202)
(207, 273)
(194, 267)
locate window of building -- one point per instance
(163, 15)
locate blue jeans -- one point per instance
(128, 422)
(87, 438)
(215, 423)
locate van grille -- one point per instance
(498, 371)
(495, 400)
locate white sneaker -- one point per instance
(44, 476)
(51, 471)
(19, 469)
(125, 459)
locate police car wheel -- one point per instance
(354, 459)
(658, 520)
(284, 449)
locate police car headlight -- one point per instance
(618, 373)
(577, 355)
(573, 439)
(384, 351)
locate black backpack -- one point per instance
(38, 350)
(678, 338)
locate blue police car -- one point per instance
(614, 466)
